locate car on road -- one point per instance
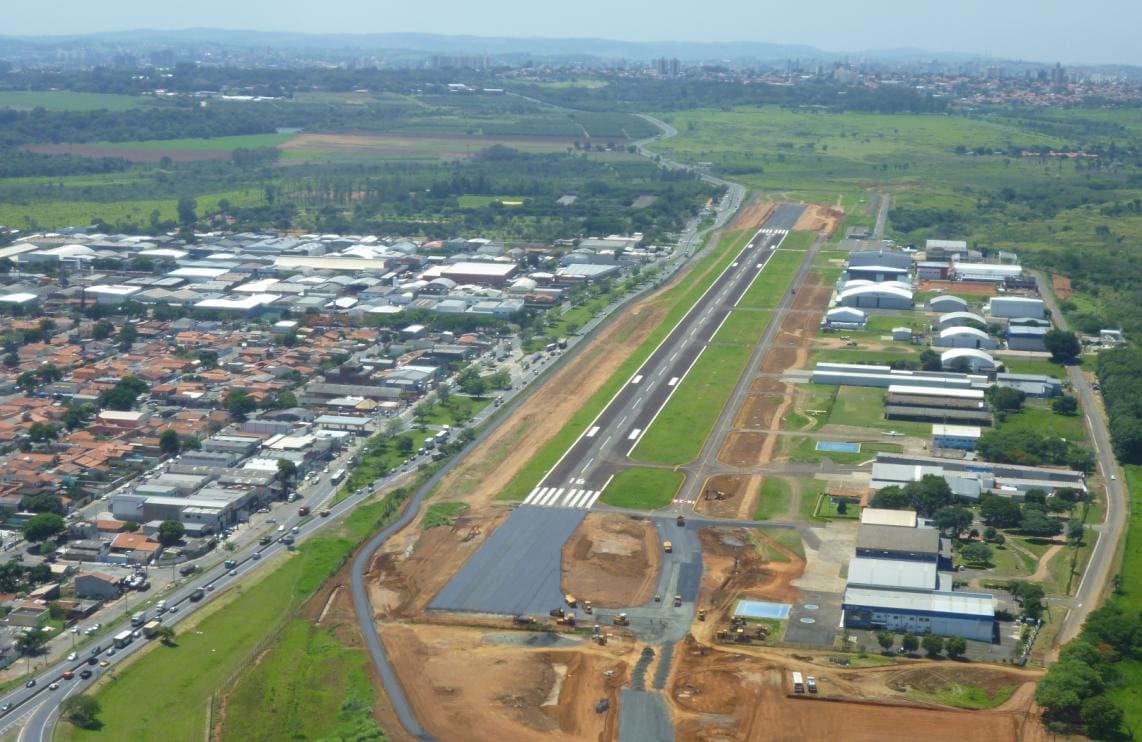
(172, 609)
(104, 663)
(72, 657)
(1114, 477)
(5, 708)
(68, 674)
(256, 555)
(96, 649)
(85, 674)
(53, 686)
(111, 652)
(30, 684)
(233, 573)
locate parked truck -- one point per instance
(123, 638)
(798, 683)
(139, 619)
(151, 628)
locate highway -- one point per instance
(1103, 562)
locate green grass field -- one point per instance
(642, 489)
(308, 686)
(65, 100)
(743, 327)
(681, 428)
(442, 514)
(49, 214)
(965, 696)
(1037, 418)
(773, 281)
(172, 688)
(478, 202)
(863, 407)
(211, 144)
(1034, 366)
(774, 500)
(681, 297)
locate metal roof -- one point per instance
(886, 517)
(892, 573)
(977, 605)
(892, 538)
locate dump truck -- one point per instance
(798, 683)
(680, 520)
(677, 601)
(621, 619)
(151, 628)
(701, 614)
(523, 620)
(566, 620)
(667, 546)
(587, 607)
(570, 600)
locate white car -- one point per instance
(72, 657)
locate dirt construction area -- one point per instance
(818, 218)
(752, 215)
(718, 693)
(612, 560)
(727, 496)
(472, 685)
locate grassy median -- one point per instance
(643, 489)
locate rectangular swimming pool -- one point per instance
(761, 609)
(838, 447)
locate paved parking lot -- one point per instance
(814, 619)
(518, 569)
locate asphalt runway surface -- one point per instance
(602, 450)
(643, 717)
(518, 570)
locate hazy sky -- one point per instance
(1101, 31)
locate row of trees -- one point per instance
(1120, 375)
(933, 645)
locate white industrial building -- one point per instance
(958, 319)
(845, 318)
(962, 437)
(878, 265)
(976, 360)
(964, 337)
(967, 615)
(1013, 307)
(994, 272)
(870, 295)
(856, 374)
(947, 303)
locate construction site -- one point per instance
(639, 609)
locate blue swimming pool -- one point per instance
(838, 447)
(761, 609)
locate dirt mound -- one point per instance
(723, 496)
(819, 218)
(468, 688)
(743, 449)
(752, 215)
(612, 560)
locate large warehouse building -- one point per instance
(900, 580)
(870, 295)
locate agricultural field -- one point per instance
(54, 213)
(153, 150)
(65, 100)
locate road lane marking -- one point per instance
(673, 381)
(584, 469)
(593, 432)
(636, 379)
(634, 434)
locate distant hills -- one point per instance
(405, 44)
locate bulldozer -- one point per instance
(680, 520)
(523, 620)
(587, 607)
(566, 620)
(620, 619)
(557, 613)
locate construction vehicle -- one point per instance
(523, 620)
(677, 601)
(798, 683)
(620, 619)
(811, 683)
(658, 597)
(568, 619)
(680, 520)
(701, 614)
(570, 599)
(667, 547)
(587, 607)
(557, 612)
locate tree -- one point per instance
(239, 404)
(1101, 718)
(11, 359)
(890, 498)
(885, 639)
(1066, 405)
(43, 504)
(123, 395)
(1036, 522)
(1006, 399)
(910, 643)
(422, 413)
(166, 635)
(1029, 595)
(953, 519)
(933, 645)
(394, 426)
(82, 711)
(169, 442)
(929, 494)
(127, 337)
(1064, 688)
(43, 526)
(1075, 531)
(32, 641)
(287, 472)
(930, 360)
(171, 532)
(1063, 346)
(1000, 512)
(404, 445)
(27, 382)
(187, 215)
(955, 646)
(102, 330)
(976, 553)
(129, 526)
(40, 432)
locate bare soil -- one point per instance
(612, 560)
(723, 693)
(819, 218)
(974, 288)
(468, 688)
(1061, 286)
(733, 489)
(736, 564)
(445, 146)
(752, 215)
